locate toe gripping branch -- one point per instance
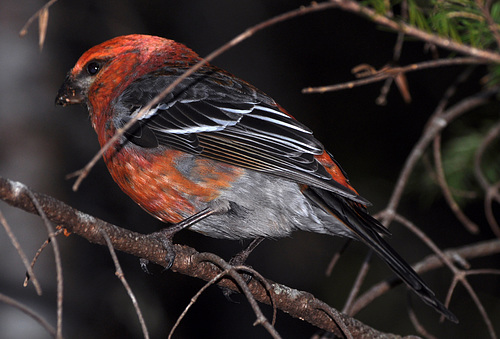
(166, 235)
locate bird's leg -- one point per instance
(241, 257)
(165, 235)
(238, 260)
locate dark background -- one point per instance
(41, 143)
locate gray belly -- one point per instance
(267, 206)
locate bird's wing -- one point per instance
(218, 116)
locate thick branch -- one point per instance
(298, 304)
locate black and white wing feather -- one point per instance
(220, 117)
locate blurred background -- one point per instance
(41, 143)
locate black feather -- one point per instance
(223, 118)
(367, 229)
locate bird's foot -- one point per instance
(166, 235)
(238, 260)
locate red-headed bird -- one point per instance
(218, 152)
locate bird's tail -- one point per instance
(368, 229)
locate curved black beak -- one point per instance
(69, 93)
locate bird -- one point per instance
(216, 155)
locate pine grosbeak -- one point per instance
(218, 152)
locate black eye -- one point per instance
(93, 67)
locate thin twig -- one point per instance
(393, 71)
(43, 16)
(336, 257)
(336, 316)
(267, 287)
(119, 273)
(462, 277)
(484, 271)
(416, 323)
(57, 257)
(23, 308)
(384, 91)
(21, 253)
(37, 254)
(195, 298)
(441, 179)
(363, 271)
(426, 240)
(261, 319)
(437, 122)
(213, 281)
(491, 191)
(492, 194)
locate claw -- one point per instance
(144, 265)
(165, 235)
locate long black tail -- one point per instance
(367, 229)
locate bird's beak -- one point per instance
(69, 93)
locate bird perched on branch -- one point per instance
(216, 154)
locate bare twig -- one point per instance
(21, 253)
(43, 20)
(437, 122)
(492, 194)
(337, 317)
(384, 91)
(336, 257)
(393, 72)
(426, 240)
(363, 271)
(194, 299)
(416, 323)
(37, 254)
(461, 276)
(23, 308)
(493, 134)
(227, 272)
(57, 256)
(492, 191)
(265, 284)
(468, 224)
(119, 273)
(398, 47)
(261, 319)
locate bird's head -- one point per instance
(102, 72)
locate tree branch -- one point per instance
(400, 26)
(298, 304)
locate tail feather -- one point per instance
(367, 229)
